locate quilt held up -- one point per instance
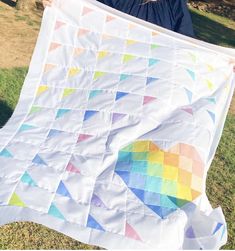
(116, 127)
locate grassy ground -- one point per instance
(221, 177)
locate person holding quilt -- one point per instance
(170, 14)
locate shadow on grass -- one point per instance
(5, 113)
(9, 2)
(211, 31)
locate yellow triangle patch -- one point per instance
(130, 42)
(16, 201)
(102, 54)
(99, 74)
(74, 71)
(127, 58)
(210, 85)
(42, 89)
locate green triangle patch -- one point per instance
(54, 211)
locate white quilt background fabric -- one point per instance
(116, 127)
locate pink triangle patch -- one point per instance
(148, 99)
(71, 168)
(131, 233)
(82, 32)
(83, 137)
(188, 110)
(59, 24)
(86, 11)
(110, 18)
(49, 67)
(54, 46)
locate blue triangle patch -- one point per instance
(190, 233)
(62, 112)
(212, 115)
(212, 100)
(189, 94)
(54, 211)
(92, 223)
(27, 179)
(89, 114)
(53, 133)
(62, 190)
(153, 61)
(6, 153)
(124, 175)
(124, 77)
(151, 80)
(161, 211)
(25, 127)
(218, 226)
(94, 93)
(38, 160)
(120, 95)
(192, 74)
(139, 193)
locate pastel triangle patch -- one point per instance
(71, 168)
(42, 89)
(26, 127)
(59, 25)
(94, 93)
(74, 71)
(189, 94)
(153, 61)
(212, 100)
(154, 46)
(210, 85)
(148, 99)
(124, 77)
(62, 112)
(35, 109)
(110, 18)
(117, 117)
(16, 201)
(6, 153)
(83, 137)
(92, 223)
(54, 133)
(131, 233)
(188, 110)
(38, 160)
(131, 42)
(54, 46)
(154, 33)
(120, 95)
(68, 91)
(190, 233)
(54, 211)
(192, 74)
(27, 179)
(78, 51)
(150, 80)
(217, 228)
(102, 54)
(62, 190)
(86, 10)
(212, 115)
(83, 32)
(49, 67)
(96, 201)
(89, 114)
(127, 58)
(99, 74)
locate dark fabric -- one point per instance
(171, 14)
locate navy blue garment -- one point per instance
(171, 14)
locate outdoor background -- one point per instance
(214, 22)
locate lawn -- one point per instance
(221, 177)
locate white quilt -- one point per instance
(116, 127)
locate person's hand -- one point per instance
(46, 3)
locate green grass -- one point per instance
(221, 176)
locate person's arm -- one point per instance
(184, 23)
